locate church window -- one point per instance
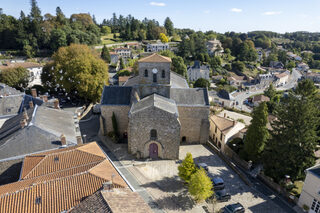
(146, 73)
(163, 74)
(155, 78)
(153, 134)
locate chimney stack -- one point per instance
(23, 123)
(225, 114)
(108, 186)
(31, 104)
(56, 104)
(63, 140)
(79, 140)
(34, 92)
(45, 98)
(25, 115)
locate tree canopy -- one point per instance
(187, 168)
(200, 185)
(202, 83)
(15, 77)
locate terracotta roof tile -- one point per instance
(155, 58)
(29, 163)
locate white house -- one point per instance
(222, 130)
(157, 47)
(198, 71)
(123, 52)
(310, 195)
(282, 78)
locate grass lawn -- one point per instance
(296, 191)
(108, 39)
(315, 70)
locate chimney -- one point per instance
(45, 98)
(107, 186)
(63, 140)
(225, 114)
(23, 123)
(79, 140)
(31, 104)
(34, 92)
(56, 104)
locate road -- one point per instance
(240, 97)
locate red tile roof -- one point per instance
(155, 58)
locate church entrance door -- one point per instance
(153, 150)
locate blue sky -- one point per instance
(218, 15)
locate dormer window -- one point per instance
(163, 74)
(146, 73)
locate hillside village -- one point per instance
(144, 117)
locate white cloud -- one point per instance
(271, 13)
(236, 10)
(207, 11)
(158, 4)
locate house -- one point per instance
(303, 67)
(114, 200)
(38, 128)
(276, 65)
(157, 47)
(133, 45)
(310, 194)
(259, 51)
(216, 78)
(236, 80)
(198, 71)
(58, 180)
(214, 47)
(264, 79)
(222, 97)
(258, 99)
(122, 80)
(123, 52)
(282, 78)
(114, 57)
(156, 110)
(293, 56)
(222, 130)
(34, 69)
(314, 76)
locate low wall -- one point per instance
(236, 159)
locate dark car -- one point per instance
(222, 195)
(203, 165)
(217, 182)
(233, 208)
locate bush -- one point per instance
(113, 136)
(124, 73)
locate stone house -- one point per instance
(236, 80)
(157, 47)
(214, 47)
(310, 195)
(258, 99)
(156, 110)
(222, 130)
(123, 52)
(114, 57)
(282, 78)
(198, 71)
(303, 67)
(315, 77)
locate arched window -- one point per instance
(163, 74)
(184, 139)
(153, 134)
(146, 73)
(154, 77)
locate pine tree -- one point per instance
(294, 136)
(187, 168)
(200, 185)
(169, 26)
(105, 55)
(122, 66)
(257, 134)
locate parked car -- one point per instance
(222, 195)
(217, 182)
(202, 165)
(233, 208)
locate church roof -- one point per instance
(190, 96)
(155, 58)
(178, 81)
(157, 101)
(116, 95)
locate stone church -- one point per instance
(156, 110)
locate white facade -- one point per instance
(310, 195)
(35, 76)
(157, 47)
(123, 52)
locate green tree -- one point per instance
(169, 26)
(200, 185)
(77, 69)
(294, 133)
(270, 92)
(238, 66)
(124, 73)
(257, 134)
(105, 30)
(58, 39)
(15, 77)
(122, 66)
(202, 83)
(187, 168)
(290, 65)
(163, 38)
(215, 62)
(178, 66)
(105, 55)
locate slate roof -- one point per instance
(157, 101)
(178, 81)
(116, 95)
(315, 170)
(155, 58)
(190, 96)
(6, 90)
(45, 126)
(132, 81)
(57, 181)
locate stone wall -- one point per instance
(149, 67)
(121, 113)
(194, 124)
(146, 90)
(167, 126)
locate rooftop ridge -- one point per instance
(34, 166)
